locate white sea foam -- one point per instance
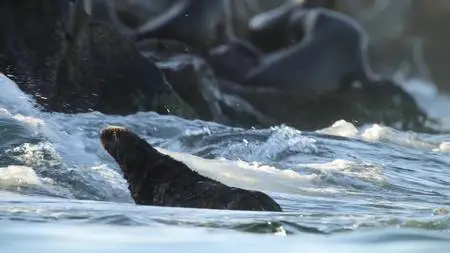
(69, 140)
(23, 178)
(268, 178)
(18, 175)
(379, 133)
(340, 128)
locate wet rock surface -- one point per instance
(86, 67)
(294, 63)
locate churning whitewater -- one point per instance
(333, 180)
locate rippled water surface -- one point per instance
(343, 189)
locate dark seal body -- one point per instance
(158, 179)
(329, 51)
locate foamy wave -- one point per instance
(287, 139)
(409, 139)
(18, 175)
(434, 102)
(245, 175)
(378, 133)
(25, 179)
(28, 120)
(14, 99)
(359, 171)
(99, 181)
(5, 113)
(42, 153)
(30, 123)
(254, 176)
(443, 147)
(340, 128)
(428, 97)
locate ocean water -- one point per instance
(343, 189)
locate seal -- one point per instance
(158, 179)
(331, 50)
(223, 59)
(195, 22)
(194, 81)
(269, 30)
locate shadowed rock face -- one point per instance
(193, 79)
(195, 82)
(383, 102)
(233, 61)
(161, 49)
(106, 70)
(328, 48)
(158, 179)
(56, 51)
(319, 75)
(304, 77)
(31, 36)
(313, 71)
(195, 22)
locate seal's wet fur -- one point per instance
(158, 179)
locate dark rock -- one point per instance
(126, 14)
(79, 65)
(232, 61)
(195, 22)
(270, 30)
(199, 23)
(31, 45)
(195, 82)
(332, 50)
(383, 102)
(242, 113)
(161, 49)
